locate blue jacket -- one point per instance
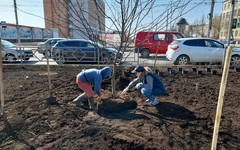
(95, 77)
(154, 84)
(157, 83)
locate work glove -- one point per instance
(139, 86)
(124, 91)
(101, 90)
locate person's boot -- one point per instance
(91, 104)
(153, 103)
(79, 99)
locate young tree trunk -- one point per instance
(114, 80)
(2, 112)
(154, 66)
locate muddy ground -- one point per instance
(183, 120)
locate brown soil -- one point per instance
(183, 120)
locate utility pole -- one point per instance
(16, 16)
(230, 24)
(210, 18)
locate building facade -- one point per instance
(75, 18)
(27, 33)
(226, 15)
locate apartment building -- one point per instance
(75, 18)
(226, 15)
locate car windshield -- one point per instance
(176, 36)
(7, 44)
(99, 45)
(95, 43)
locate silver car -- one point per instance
(41, 47)
(12, 53)
(187, 50)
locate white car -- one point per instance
(186, 50)
(12, 53)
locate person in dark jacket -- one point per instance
(86, 79)
(148, 83)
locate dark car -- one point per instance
(232, 41)
(80, 50)
(12, 53)
(41, 47)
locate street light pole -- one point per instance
(210, 18)
(16, 16)
(230, 23)
(229, 31)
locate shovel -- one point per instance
(51, 99)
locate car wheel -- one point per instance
(10, 58)
(26, 59)
(183, 60)
(49, 54)
(235, 60)
(145, 53)
(60, 59)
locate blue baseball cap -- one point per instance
(138, 68)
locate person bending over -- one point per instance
(86, 79)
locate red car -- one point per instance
(150, 42)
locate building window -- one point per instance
(59, 22)
(226, 24)
(222, 25)
(59, 15)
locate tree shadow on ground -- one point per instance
(9, 133)
(172, 110)
(116, 110)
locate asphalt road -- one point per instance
(130, 58)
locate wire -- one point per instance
(30, 13)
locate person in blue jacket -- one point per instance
(86, 79)
(148, 83)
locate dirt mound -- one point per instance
(115, 106)
(184, 118)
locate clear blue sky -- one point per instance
(36, 7)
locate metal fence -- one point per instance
(81, 54)
(31, 55)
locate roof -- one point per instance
(194, 39)
(182, 21)
(158, 32)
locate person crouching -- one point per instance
(147, 83)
